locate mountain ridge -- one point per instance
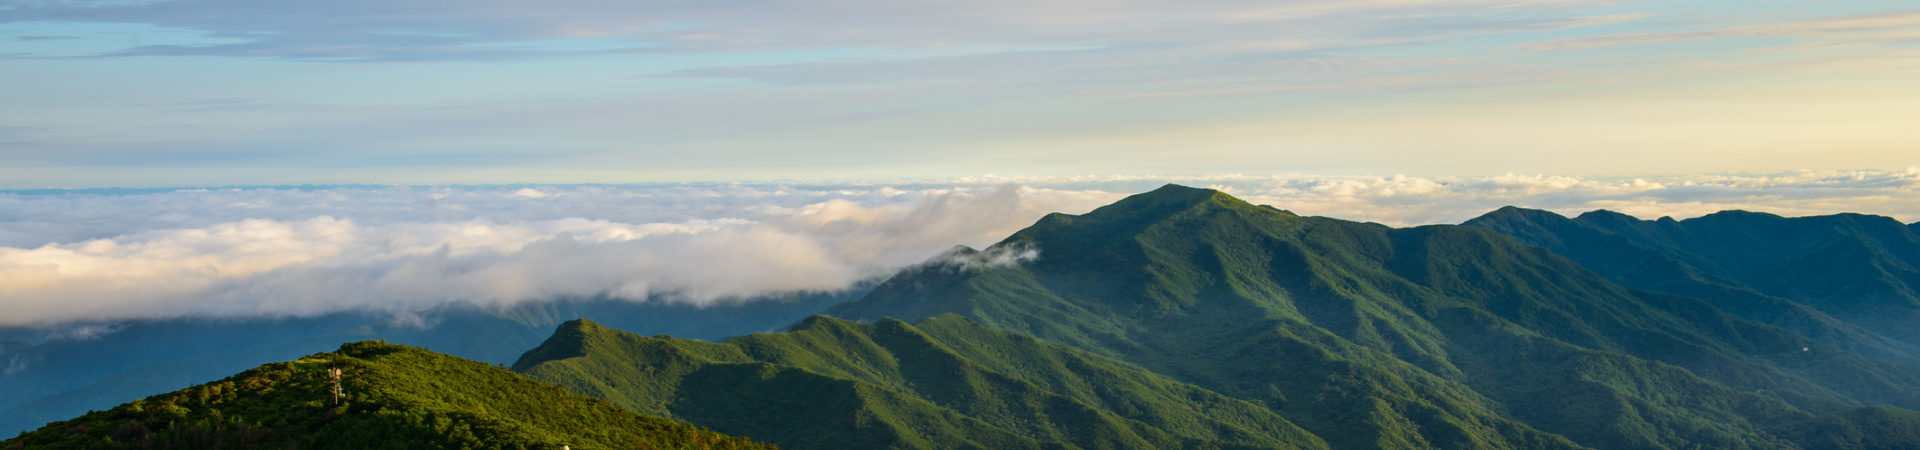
(64, 378)
(1631, 252)
(1182, 280)
(1187, 318)
(943, 379)
(387, 396)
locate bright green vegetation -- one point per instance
(396, 397)
(65, 378)
(1186, 318)
(945, 382)
(1373, 337)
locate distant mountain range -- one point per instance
(1849, 280)
(1186, 318)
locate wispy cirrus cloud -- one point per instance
(372, 30)
(1875, 30)
(331, 92)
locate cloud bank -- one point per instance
(253, 252)
(67, 257)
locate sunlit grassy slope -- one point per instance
(397, 397)
(63, 378)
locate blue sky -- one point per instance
(219, 92)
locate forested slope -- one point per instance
(1375, 337)
(942, 383)
(394, 397)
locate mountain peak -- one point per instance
(581, 326)
(569, 340)
(1132, 214)
(1739, 214)
(818, 321)
(1170, 207)
(1607, 215)
(1172, 194)
(1166, 200)
(1511, 213)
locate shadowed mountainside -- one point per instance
(945, 382)
(1186, 318)
(1846, 279)
(1375, 337)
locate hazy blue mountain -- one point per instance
(84, 354)
(1375, 337)
(61, 378)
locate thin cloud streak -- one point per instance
(436, 91)
(430, 30)
(1876, 30)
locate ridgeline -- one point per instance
(1375, 337)
(394, 397)
(1188, 319)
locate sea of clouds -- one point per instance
(94, 256)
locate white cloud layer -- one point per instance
(280, 251)
(266, 252)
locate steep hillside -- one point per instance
(1861, 269)
(395, 397)
(1638, 266)
(1374, 337)
(62, 378)
(945, 382)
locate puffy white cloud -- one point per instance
(265, 252)
(277, 251)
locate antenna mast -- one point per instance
(334, 373)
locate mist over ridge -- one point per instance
(960, 225)
(248, 252)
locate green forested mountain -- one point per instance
(394, 397)
(1849, 279)
(1185, 318)
(1638, 266)
(945, 382)
(62, 378)
(1428, 337)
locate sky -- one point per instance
(153, 93)
(172, 158)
